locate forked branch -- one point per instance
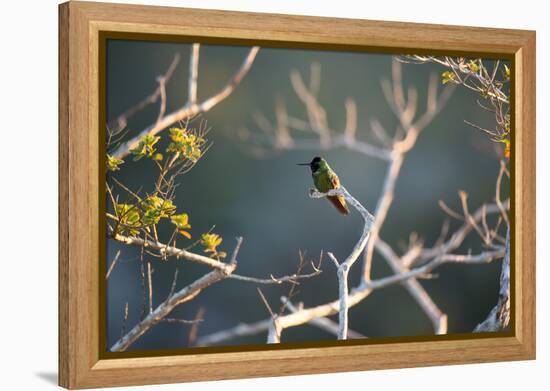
(191, 109)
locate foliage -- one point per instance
(447, 77)
(155, 208)
(113, 163)
(181, 222)
(490, 80)
(128, 218)
(210, 242)
(146, 147)
(186, 144)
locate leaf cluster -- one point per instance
(186, 144)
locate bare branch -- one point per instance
(169, 251)
(113, 263)
(150, 281)
(193, 74)
(233, 83)
(273, 331)
(317, 114)
(460, 234)
(405, 112)
(355, 296)
(266, 303)
(351, 120)
(316, 123)
(501, 207)
(121, 121)
(463, 69)
(343, 294)
(124, 320)
(475, 76)
(183, 295)
(324, 324)
(449, 211)
(499, 317)
(283, 139)
(174, 282)
(437, 317)
(468, 217)
(345, 267)
(241, 330)
(182, 321)
(382, 208)
(293, 279)
(194, 331)
(162, 89)
(190, 111)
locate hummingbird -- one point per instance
(325, 179)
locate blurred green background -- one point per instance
(265, 199)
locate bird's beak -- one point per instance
(302, 164)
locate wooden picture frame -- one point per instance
(80, 27)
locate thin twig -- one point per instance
(266, 303)
(113, 263)
(193, 73)
(174, 282)
(501, 207)
(121, 121)
(124, 320)
(293, 279)
(150, 281)
(182, 321)
(194, 331)
(240, 330)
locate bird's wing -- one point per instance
(334, 181)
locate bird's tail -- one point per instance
(340, 203)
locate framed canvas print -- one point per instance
(247, 195)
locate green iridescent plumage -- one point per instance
(325, 179)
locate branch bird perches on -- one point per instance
(344, 267)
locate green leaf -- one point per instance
(155, 208)
(129, 219)
(181, 221)
(186, 144)
(447, 77)
(113, 163)
(145, 147)
(210, 242)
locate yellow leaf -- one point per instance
(507, 149)
(186, 234)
